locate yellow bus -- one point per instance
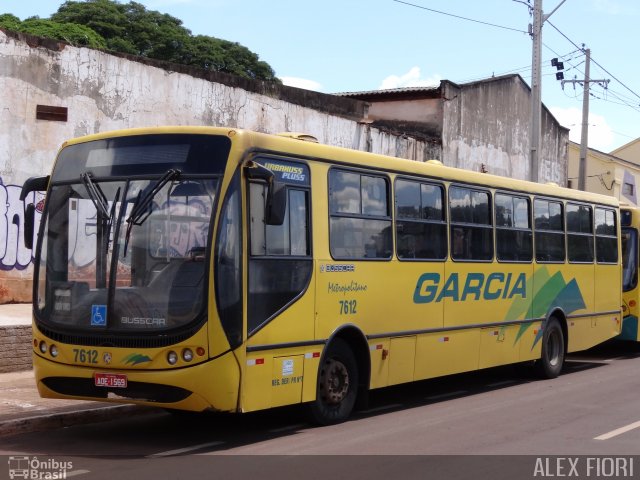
(199, 268)
(630, 221)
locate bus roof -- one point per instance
(293, 145)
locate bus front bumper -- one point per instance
(211, 385)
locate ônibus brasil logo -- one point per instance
(37, 469)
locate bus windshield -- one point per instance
(127, 232)
(629, 259)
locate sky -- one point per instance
(356, 45)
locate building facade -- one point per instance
(481, 126)
(615, 174)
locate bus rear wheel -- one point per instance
(337, 385)
(553, 351)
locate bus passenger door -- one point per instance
(280, 300)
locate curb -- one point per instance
(67, 419)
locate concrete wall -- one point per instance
(105, 92)
(425, 111)
(486, 126)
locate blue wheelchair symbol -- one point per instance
(98, 315)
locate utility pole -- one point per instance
(582, 168)
(536, 88)
(536, 111)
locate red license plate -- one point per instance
(112, 380)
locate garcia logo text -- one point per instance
(473, 286)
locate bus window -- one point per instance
(290, 238)
(579, 233)
(606, 240)
(471, 230)
(514, 242)
(360, 224)
(280, 262)
(629, 259)
(421, 229)
(228, 272)
(549, 231)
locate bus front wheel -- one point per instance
(553, 351)
(337, 385)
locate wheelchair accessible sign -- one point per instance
(98, 315)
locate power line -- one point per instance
(615, 78)
(568, 39)
(603, 69)
(460, 17)
(524, 69)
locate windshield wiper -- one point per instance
(96, 195)
(139, 211)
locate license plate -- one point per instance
(112, 380)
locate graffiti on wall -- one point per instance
(13, 253)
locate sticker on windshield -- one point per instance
(98, 315)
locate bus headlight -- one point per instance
(43, 347)
(187, 355)
(53, 350)
(172, 358)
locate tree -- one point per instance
(73, 34)
(131, 28)
(105, 17)
(214, 54)
(9, 21)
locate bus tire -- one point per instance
(553, 350)
(337, 386)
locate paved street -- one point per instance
(592, 409)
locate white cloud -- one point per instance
(410, 79)
(600, 135)
(301, 83)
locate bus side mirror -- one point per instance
(29, 225)
(33, 184)
(276, 202)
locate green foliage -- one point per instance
(72, 33)
(102, 16)
(215, 54)
(9, 21)
(131, 28)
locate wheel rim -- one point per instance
(554, 348)
(334, 383)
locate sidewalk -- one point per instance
(13, 314)
(21, 408)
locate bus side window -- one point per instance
(360, 217)
(579, 233)
(471, 224)
(290, 238)
(514, 240)
(606, 236)
(549, 231)
(421, 229)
